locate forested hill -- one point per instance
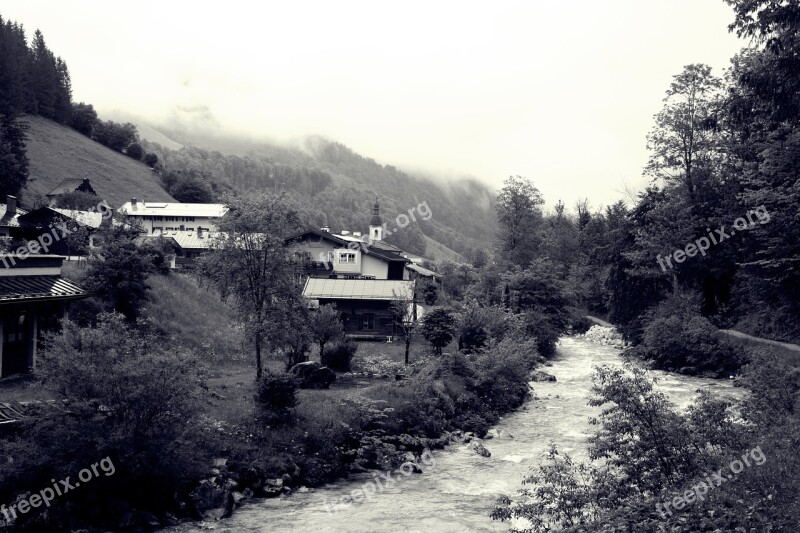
(336, 187)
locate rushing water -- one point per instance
(457, 493)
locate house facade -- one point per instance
(359, 273)
(171, 219)
(34, 297)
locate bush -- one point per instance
(135, 151)
(276, 394)
(150, 159)
(438, 327)
(539, 327)
(676, 337)
(339, 355)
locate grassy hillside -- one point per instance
(57, 152)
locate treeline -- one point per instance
(33, 80)
(714, 240)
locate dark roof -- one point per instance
(23, 288)
(382, 250)
(10, 221)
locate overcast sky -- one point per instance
(561, 92)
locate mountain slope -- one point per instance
(336, 187)
(57, 152)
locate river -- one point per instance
(458, 490)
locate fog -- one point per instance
(563, 93)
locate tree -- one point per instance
(135, 151)
(192, 191)
(84, 117)
(519, 215)
(326, 325)
(430, 292)
(13, 157)
(150, 159)
(439, 327)
(118, 271)
(251, 262)
(77, 200)
(115, 136)
(684, 143)
(404, 311)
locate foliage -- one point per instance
(339, 355)
(114, 135)
(404, 313)
(251, 262)
(519, 216)
(84, 118)
(429, 291)
(118, 271)
(192, 191)
(77, 200)
(132, 398)
(276, 394)
(439, 327)
(326, 325)
(135, 151)
(150, 159)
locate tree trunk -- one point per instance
(258, 357)
(408, 346)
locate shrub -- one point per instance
(439, 327)
(339, 355)
(539, 327)
(276, 394)
(150, 159)
(135, 151)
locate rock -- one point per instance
(302, 489)
(287, 479)
(220, 463)
(209, 496)
(238, 497)
(540, 375)
(217, 513)
(313, 375)
(492, 433)
(688, 370)
(480, 449)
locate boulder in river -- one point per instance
(480, 449)
(540, 375)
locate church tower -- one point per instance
(376, 224)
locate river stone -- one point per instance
(540, 375)
(480, 449)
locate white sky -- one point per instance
(560, 92)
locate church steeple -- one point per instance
(375, 223)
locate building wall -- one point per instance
(151, 223)
(365, 317)
(374, 267)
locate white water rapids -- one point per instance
(459, 491)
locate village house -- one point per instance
(171, 218)
(359, 273)
(82, 225)
(34, 297)
(70, 185)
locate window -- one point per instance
(347, 257)
(367, 321)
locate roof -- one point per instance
(173, 209)
(91, 219)
(379, 249)
(190, 241)
(11, 221)
(422, 271)
(67, 185)
(357, 289)
(23, 288)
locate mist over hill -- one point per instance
(334, 186)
